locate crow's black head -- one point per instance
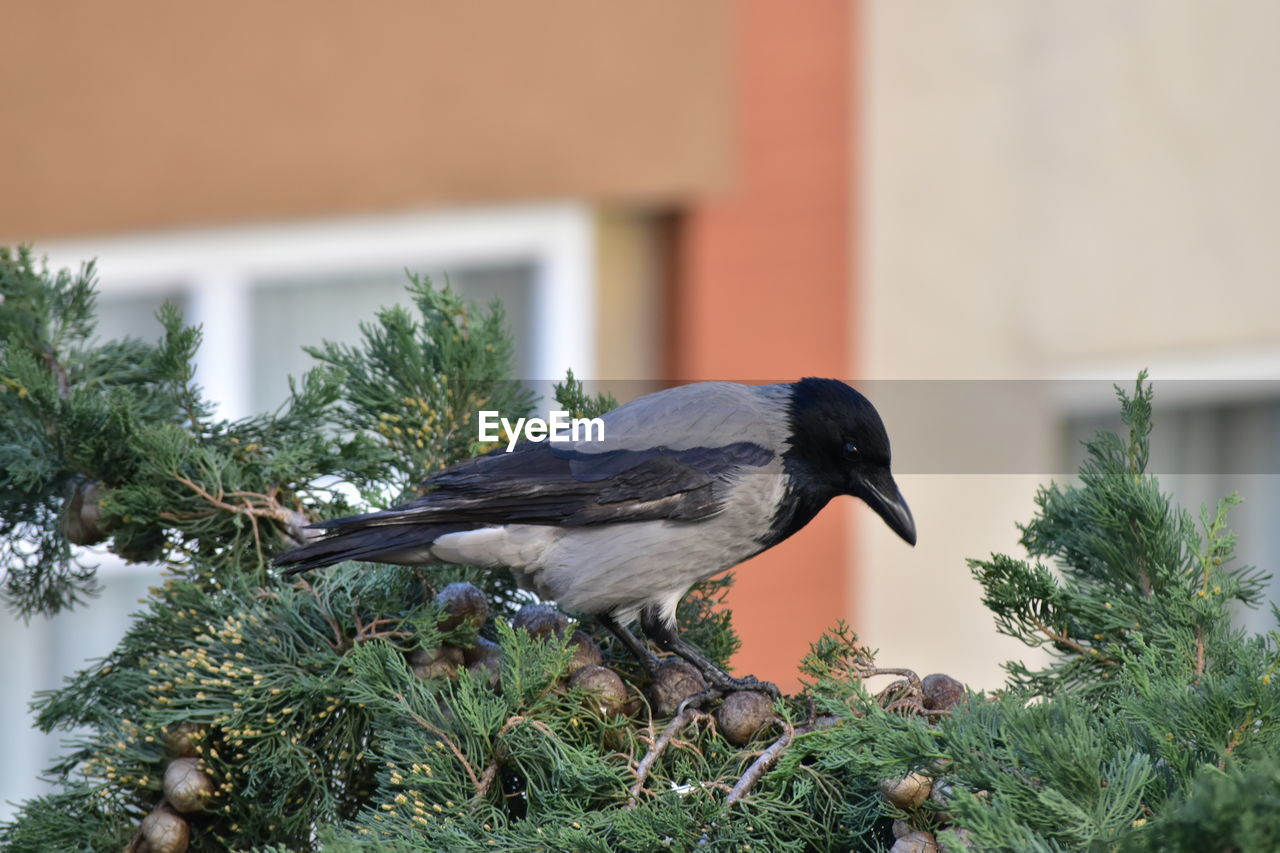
(839, 446)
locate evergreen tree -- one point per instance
(381, 707)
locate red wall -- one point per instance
(764, 284)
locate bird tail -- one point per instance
(391, 543)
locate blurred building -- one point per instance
(930, 199)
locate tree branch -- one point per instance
(445, 739)
(762, 764)
(645, 767)
(1064, 640)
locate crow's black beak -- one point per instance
(883, 496)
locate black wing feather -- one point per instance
(366, 543)
(539, 483)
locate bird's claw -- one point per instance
(727, 684)
(750, 682)
(698, 701)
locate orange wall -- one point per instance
(763, 286)
(159, 115)
(125, 116)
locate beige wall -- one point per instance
(1052, 187)
(631, 290)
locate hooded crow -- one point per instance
(684, 484)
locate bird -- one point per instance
(684, 483)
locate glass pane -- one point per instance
(123, 315)
(1201, 454)
(289, 314)
(52, 650)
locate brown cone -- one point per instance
(941, 692)
(187, 788)
(540, 620)
(81, 518)
(918, 841)
(434, 663)
(674, 682)
(462, 602)
(742, 715)
(908, 792)
(585, 652)
(183, 738)
(484, 660)
(605, 692)
(164, 831)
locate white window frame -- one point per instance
(1208, 376)
(216, 268)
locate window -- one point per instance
(1208, 442)
(260, 294)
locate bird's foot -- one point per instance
(699, 701)
(726, 683)
(646, 658)
(665, 635)
(651, 664)
(723, 683)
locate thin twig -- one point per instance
(444, 738)
(257, 536)
(486, 780)
(520, 719)
(339, 639)
(59, 372)
(253, 504)
(645, 767)
(1237, 735)
(762, 764)
(817, 724)
(1064, 640)
(908, 674)
(369, 631)
(1199, 651)
(491, 772)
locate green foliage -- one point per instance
(1151, 685)
(66, 411)
(573, 398)
(1232, 809)
(421, 381)
(534, 766)
(1131, 568)
(1153, 727)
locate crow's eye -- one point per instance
(850, 450)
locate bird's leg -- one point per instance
(631, 641)
(667, 638)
